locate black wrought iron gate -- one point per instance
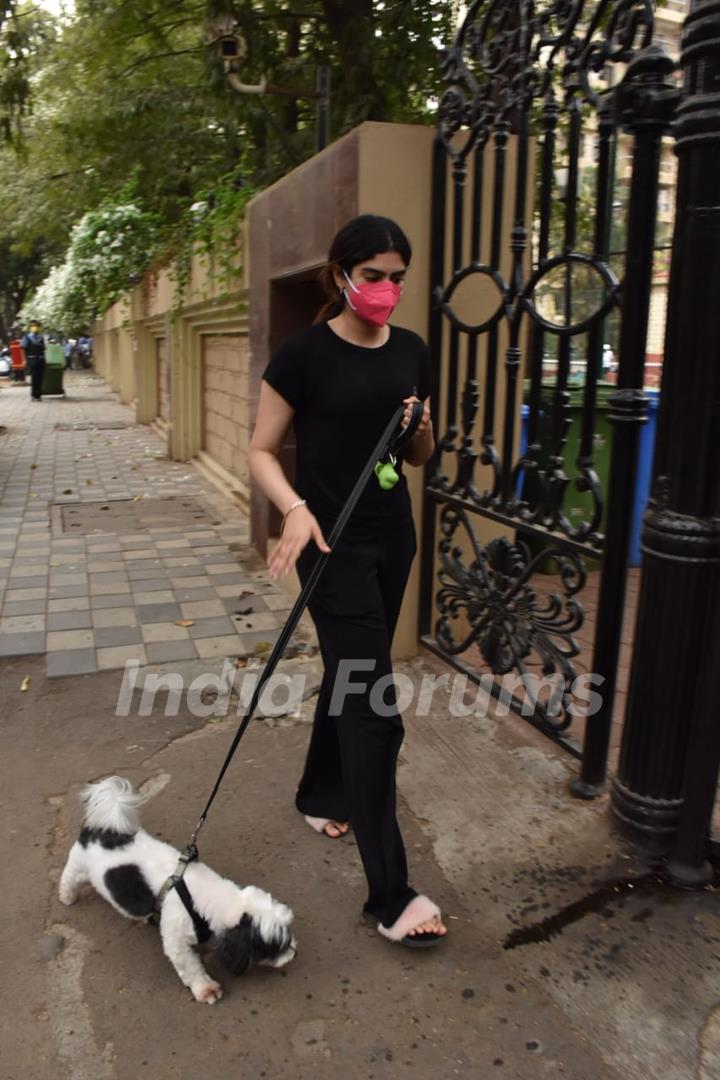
(539, 258)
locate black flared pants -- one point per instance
(350, 768)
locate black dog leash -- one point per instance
(389, 447)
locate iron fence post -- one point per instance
(644, 103)
(322, 120)
(668, 712)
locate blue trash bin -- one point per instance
(644, 474)
(644, 468)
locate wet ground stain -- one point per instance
(651, 884)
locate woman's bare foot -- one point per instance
(432, 926)
(336, 829)
(328, 826)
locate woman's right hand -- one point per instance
(300, 527)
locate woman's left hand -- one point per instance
(424, 422)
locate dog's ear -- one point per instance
(234, 947)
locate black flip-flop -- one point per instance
(428, 939)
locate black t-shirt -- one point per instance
(344, 395)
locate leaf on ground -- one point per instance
(137, 498)
(33, 466)
(241, 661)
(25, 683)
(246, 592)
(184, 622)
(67, 491)
(262, 647)
(89, 483)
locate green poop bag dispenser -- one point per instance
(386, 473)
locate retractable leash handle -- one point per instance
(393, 440)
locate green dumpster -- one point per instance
(577, 505)
(54, 368)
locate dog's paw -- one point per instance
(65, 896)
(209, 992)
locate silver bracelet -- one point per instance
(298, 502)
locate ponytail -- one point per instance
(335, 302)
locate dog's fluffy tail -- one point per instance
(112, 805)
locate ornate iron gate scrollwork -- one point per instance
(526, 82)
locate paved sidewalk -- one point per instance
(565, 957)
(94, 570)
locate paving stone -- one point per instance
(22, 624)
(69, 639)
(26, 569)
(118, 655)
(23, 644)
(166, 631)
(120, 601)
(70, 603)
(106, 636)
(109, 588)
(159, 652)
(196, 581)
(178, 569)
(58, 559)
(233, 580)
(154, 596)
(147, 573)
(73, 662)
(202, 609)
(260, 620)
(120, 616)
(16, 595)
(67, 579)
(153, 613)
(63, 592)
(105, 577)
(229, 591)
(23, 607)
(216, 627)
(69, 620)
(187, 595)
(227, 645)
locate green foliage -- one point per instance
(129, 91)
(108, 253)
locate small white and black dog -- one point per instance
(129, 867)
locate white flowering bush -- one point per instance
(110, 249)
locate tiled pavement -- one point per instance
(93, 601)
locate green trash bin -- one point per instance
(578, 505)
(54, 369)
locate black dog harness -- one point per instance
(202, 927)
(176, 881)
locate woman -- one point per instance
(339, 381)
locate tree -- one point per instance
(129, 91)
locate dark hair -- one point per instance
(362, 238)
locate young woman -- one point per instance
(339, 381)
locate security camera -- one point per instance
(232, 47)
(224, 35)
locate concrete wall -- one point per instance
(152, 348)
(225, 403)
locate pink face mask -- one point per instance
(374, 301)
